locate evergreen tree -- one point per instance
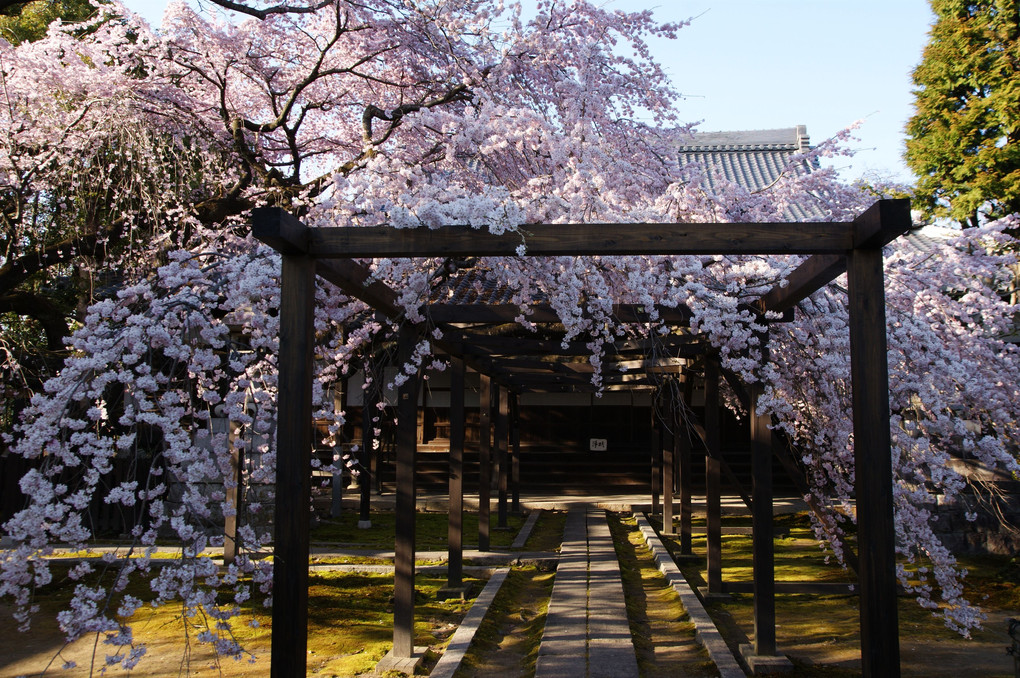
(28, 21)
(964, 138)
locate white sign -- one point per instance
(598, 444)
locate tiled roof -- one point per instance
(471, 286)
(926, 239)
(753, 159)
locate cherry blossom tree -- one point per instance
(412, 115)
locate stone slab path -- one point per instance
(586, 629)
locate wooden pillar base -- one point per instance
(462, 592)
(406, 665)
(713, 596)
(765, 665)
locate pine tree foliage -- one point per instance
(964, 138)
(27, 21)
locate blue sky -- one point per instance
(760, 64)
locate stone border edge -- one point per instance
(465, 633)
(704, 628)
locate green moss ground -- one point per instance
(430, 531)
(821, 633)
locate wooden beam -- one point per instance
(537, 313)
(816, 588)
(882, 223)
(876, 533)
(356, 281)
(804, 281)
(481, 344)
(668, 344)
(581, 388)
(294, 467)
(584, 240)
(279, 229)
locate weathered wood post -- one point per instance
(683, 438)
(655, 455)
(293, 467)
(713, 492)
(515, 442)
(502, 436)
(407, 448)
(455, 528)
(869, 372)
(233, 493)
(337, 485)
(369, 411)
(669, 418)
(484, 458)
(762, 529)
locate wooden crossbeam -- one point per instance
(539, 313)
(880, 224)
(557, 239)
(675, 347)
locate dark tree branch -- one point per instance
(268, 11)
(42, 310)
(95, 244)
(11, 7)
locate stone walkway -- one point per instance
(586, 629)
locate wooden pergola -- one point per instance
(513, 364)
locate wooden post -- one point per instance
(515, 441)
(337, 487)
(668, 446)
(407, 448)
(683, 433)
(713, 493)
(880, 650)
(502, 452)
(455, 529)
(761, 527)
(656, 457)
(369, 411)
(293, 467)
(484, 458)
(233, 494)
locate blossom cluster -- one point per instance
(416, 115)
